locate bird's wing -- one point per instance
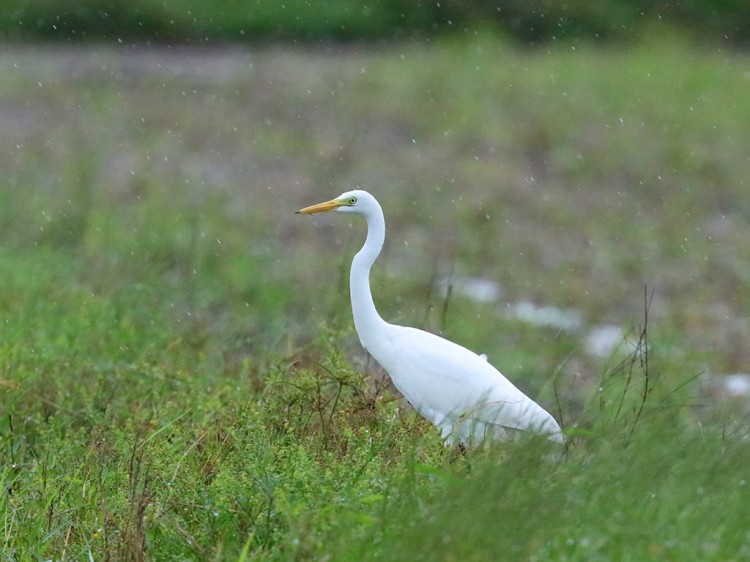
(443, 379)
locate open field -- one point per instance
(179, 376)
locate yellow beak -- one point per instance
(320, 208)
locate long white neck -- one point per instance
(366, 318)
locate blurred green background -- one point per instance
(179, 374)
(253, 20)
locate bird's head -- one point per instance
(356, 201)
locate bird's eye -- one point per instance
(352, 200)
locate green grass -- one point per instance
(179, 376)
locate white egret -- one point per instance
(457, 390)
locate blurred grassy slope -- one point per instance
(570, 177)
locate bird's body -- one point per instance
(457, 390)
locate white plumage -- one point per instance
(457, 390)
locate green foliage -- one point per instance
(238, 20)
(129, 459)
(187, 20)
